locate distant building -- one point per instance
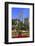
(15, 23)
(26, 21)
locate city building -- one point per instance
(26, 21)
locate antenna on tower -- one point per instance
(20, 17)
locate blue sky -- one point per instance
(17, 11)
